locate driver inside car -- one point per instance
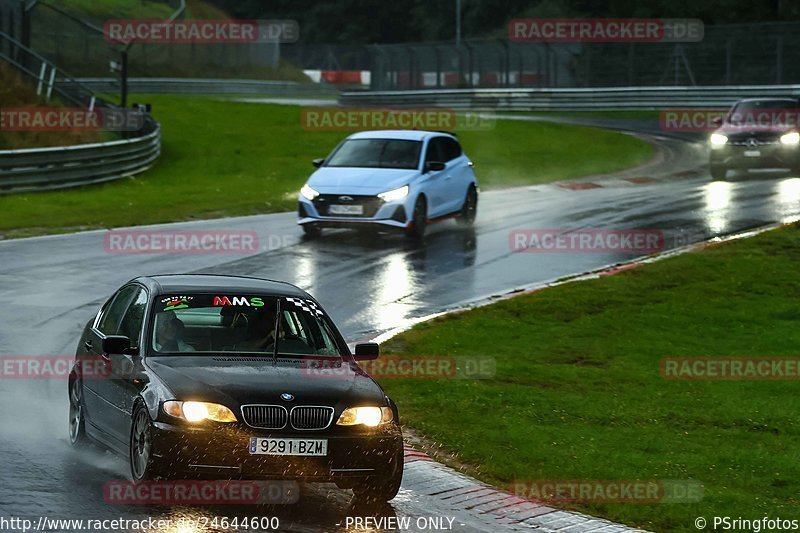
(169, 333)
(260, 333)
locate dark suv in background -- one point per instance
(757, 133)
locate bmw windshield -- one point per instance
(376, 153)
(241, 323)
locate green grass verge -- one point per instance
(225, 158)
(578, 392)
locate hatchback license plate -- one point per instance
(303, 447)
(336, 209)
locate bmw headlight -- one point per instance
(790, 138)
(718, 139)
(308, 193)
(199, 411)
(368, 416)
(394, 194)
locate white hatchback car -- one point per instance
(402, 179)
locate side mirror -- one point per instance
(435, 166)
(367, 351)
(317, 162)
(116, 344)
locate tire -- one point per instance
(77, 424)
(143, 463)
(312, 231)
(718, 172)
(382, 489)
(470, 208)
(419, 220)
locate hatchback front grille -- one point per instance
(311, 417)
(370, 204)
(265, 416)
(302, 417)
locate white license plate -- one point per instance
(752, 153)
(336, 209)
(304, 447)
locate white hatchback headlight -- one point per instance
(790, 138)
(717, 139)
(394, 194)
(368, 416)
(308, 193)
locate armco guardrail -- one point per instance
(569, 99)
(70, 166)
(207, 86)
(38, 169)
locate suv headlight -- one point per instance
(790, 138)
(308, 193)
(199, 411)
(718, 139)
(394, 194)
(369, 416)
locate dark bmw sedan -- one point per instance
(235, 378)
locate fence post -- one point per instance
(728, 54)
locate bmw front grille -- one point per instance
(265, 416)
(306, 417)
(301, 417)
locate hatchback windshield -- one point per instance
(227, 323)
(376, 153)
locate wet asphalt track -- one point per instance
(51, 286)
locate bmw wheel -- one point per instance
(144, 464)
(470, 208)
(77, 428)
(419, 220)
(385, 488)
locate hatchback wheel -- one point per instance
(312, 230)
(470, 208)
(419, 221)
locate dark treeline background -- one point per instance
(390, 21)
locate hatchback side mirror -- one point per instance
(367, 351)
(317, 162)
(116, 344)
(435, 166)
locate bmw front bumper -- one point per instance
(223, 452)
